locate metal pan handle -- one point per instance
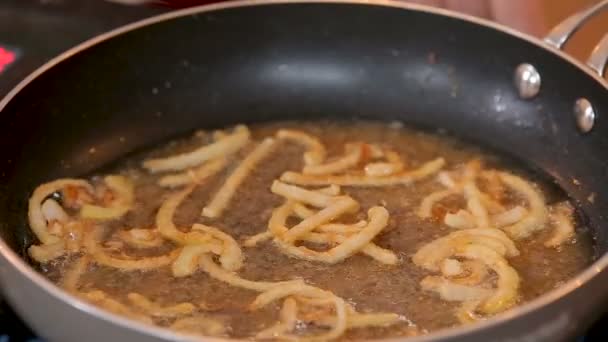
(560, 34)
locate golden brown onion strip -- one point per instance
(315, 153)
(124, 196)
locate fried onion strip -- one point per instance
(404, 178)
(426, 207)
(37, 221)
(47, 252)
(451, 291)
(462, 219)
(351, 158)
(298, 194)
(210, 267)
(141, 238)
(70, 279)
(537, 214)
(188, 259)
(340, 206)
(227, 190)
(124, 196)
(507, 284)
(199, 325)
(194, 176)
(315, 153)
(509, 217)
(231, 257)
(562, 217)
(221, 148)
(154, 309)
(91, 243)
(101, 299)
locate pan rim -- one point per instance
(52, 290)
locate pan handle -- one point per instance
(560, 34)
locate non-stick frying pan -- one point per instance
(255, 61)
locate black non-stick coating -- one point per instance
(299, 61)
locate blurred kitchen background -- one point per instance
(34, 31)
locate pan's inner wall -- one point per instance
(298, 61)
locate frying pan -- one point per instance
(257, 61)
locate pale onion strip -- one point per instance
(537, 213)
(404, 178)
(37, 221)
(492, 205)
(154, 309)
(462, 219)
(315, 153)
(124, 196)
(332, 190)
(301, 211)
(254, 240)
(194, 176)
(454, 292)
(507, 284)
(141, 238)
(341, 228)
(53, 212)
(71, 278)
(231, 257)
(563, 220)
(352, 157)
(474, 205)
(47, 252)
(378, 219)
(223, 196)
(221, 148)
(509, 217)
(187, 261)
(451, 267)
(210, 267)
(445, 179)
(277, 228)
(429, 255)
(426, 206)
(91, 243)
(101, 299)
(340, 206)
(199, 325)
(393, 166)
(298, 194)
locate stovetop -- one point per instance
(34, 31)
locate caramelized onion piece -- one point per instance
(403, 178)
(226, 192)
(194, 176)
(124, 196)
(221, 148)
(37, 221)
(315, 153)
